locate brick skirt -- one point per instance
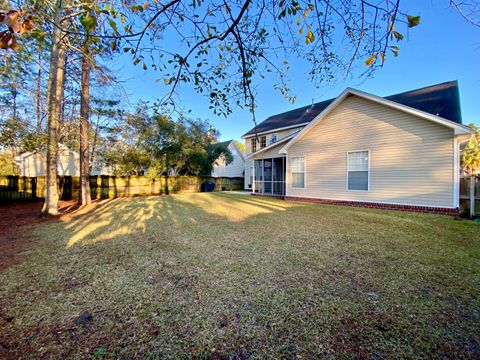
(373, 205)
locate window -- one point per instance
(297, 166)
(358, 170)
(263, 141)
(254, 144)
(273, 138)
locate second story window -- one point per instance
(273, 138)
(254, 144)
(263, 141)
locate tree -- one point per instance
(215, 151)
(84, 193)
(223, 48)
(55, 94)
(471, 153)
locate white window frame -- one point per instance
(253, 145)
(261, 138)
(304, 172)
(368, 178)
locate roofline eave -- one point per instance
(459, 129)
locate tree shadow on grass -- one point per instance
(214, 276)
(123, 217)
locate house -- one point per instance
(399, 151)
(236, 168)
(34, 163)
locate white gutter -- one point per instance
(275, 130)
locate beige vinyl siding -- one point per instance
(33, 165)
(68, 164)
(411, 159)
(270, 153)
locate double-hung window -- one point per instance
(254, 144)
(297, 167)
(263, 141)
(358, 167)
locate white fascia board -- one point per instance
(458, 128)
(275, 130)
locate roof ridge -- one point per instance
(284, 119)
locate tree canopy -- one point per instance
(471, 153)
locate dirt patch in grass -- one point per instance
(18, 219)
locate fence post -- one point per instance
(34, 188)
(472, 196)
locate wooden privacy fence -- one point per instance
(470, 195)
(17, 188)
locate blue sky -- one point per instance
(443, 48)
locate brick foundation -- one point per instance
(409, 208)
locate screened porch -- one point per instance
(269, 176)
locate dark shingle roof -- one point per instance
(442, 100)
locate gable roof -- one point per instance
(459, 129)
(236, 144)
(442, 100)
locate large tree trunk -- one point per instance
(84, 194)
(94, 143)
(55, 93)
(14, 101)
(38, 101)
(167, 190)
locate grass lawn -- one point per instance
(233, 276)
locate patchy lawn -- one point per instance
(231, 276)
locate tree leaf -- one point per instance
(113, 25)
(397, 35)
(88, 22)
(413, 20)
(371, 60)
(310, 37)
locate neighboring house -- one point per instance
(236, 168)
(400, 151)
(68, 163)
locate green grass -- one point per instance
(231, 276)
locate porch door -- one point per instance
(278, 176)
(267, 168)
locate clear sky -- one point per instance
(443, 48)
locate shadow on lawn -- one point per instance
(225, 276)
(122, 217)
